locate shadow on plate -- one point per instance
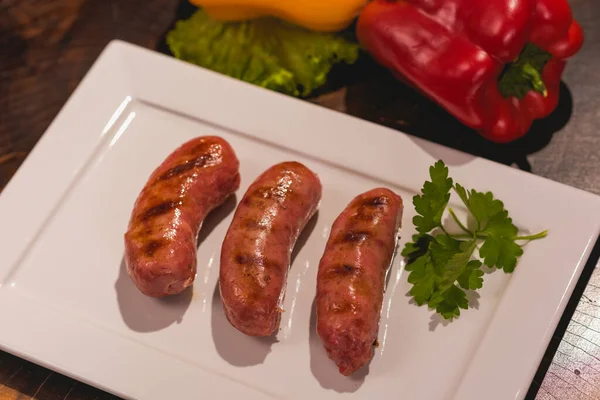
(232, 345)
(146, 314)
(216, 217)
(325, 369)
(304, 236)
(437, 320)
(142, 313)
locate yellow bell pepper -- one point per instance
(316, 15)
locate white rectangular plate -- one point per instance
(67, 303)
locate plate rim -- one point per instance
(122, 71)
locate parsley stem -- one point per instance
(460, 224)
(540, 235)
(478, 236)
(533, 237)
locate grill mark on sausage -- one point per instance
(343, 270)
(279, 193)
(364, 214)
(257, 198)
(354, 237)
(359, 237)
(248, 201)
(349, 268)
(349, 274)
(255, 260)
(242, 259)
(208, 154)
(152, 247)
(158, 209)
(377, 201)
(252, 224)
(185, 166)
(370, 208)
(258, 269)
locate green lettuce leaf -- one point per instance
(266, 52)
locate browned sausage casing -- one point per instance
(160, 243)
(256, 252)
(351, 277)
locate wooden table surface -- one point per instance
(46, 47)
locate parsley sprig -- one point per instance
(443, 265)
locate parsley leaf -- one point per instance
(442, 250)
(416, 248)
(471, 277)
(435, 195)
(440, 262)
(442, 267)
(482, 206)
(493, 223)
(500, 252)
(449, 303)
(499, 248)
(456, 265)
(420, 267)
(423, 277)
(500, 224)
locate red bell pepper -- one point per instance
(495, 65)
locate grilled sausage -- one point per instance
(351, 277)
(160, 243)
(256, 252)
